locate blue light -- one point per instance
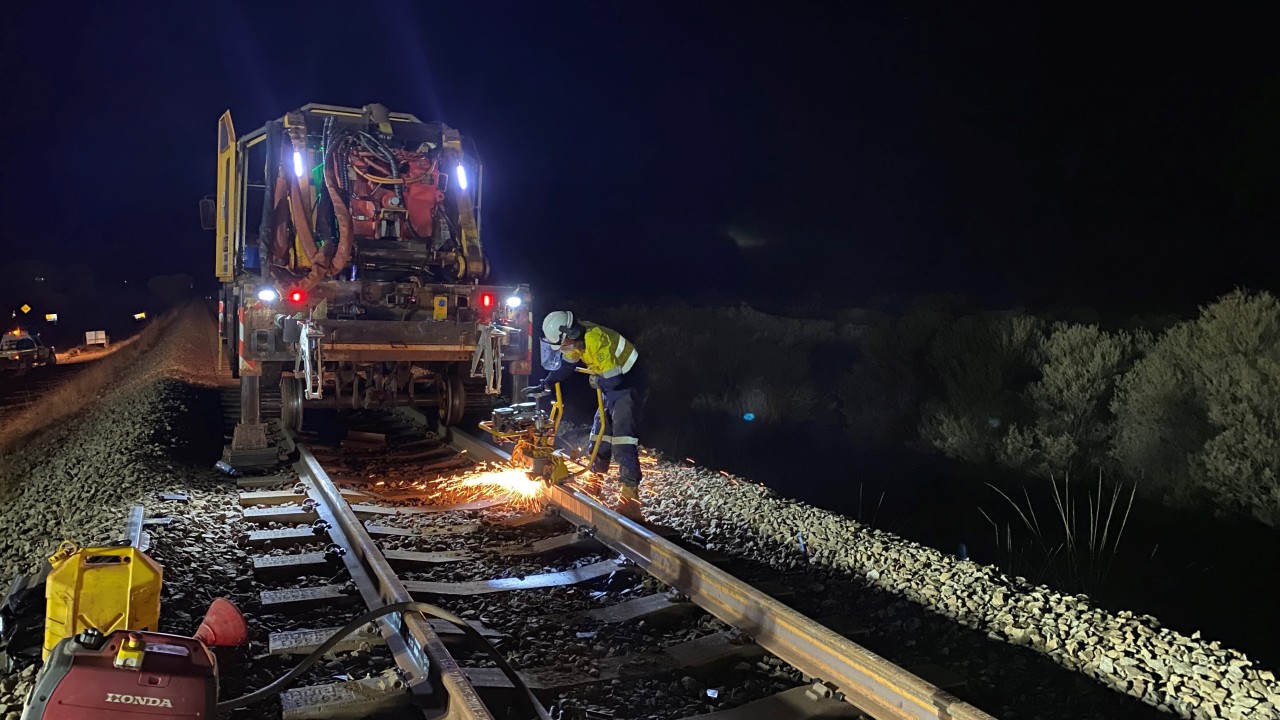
(462, 177)
(298, 169)
(749, 416)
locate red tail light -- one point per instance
(297, 296)
(486, 300)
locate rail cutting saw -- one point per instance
(534, 430)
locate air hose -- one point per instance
(291, 677)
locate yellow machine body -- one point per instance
(108, 589)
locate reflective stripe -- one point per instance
(625, 440)
(624, 367)
(608, 360)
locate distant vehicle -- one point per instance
(20, 352)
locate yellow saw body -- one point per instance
(534, 430)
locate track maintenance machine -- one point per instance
(349, 250)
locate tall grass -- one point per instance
(1074, 550)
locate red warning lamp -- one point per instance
(297, 296)
(486, 300)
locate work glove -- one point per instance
(536, 389)
(594, 381)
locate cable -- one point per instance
(289, 678)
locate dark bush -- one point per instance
(882, 388)
(1072, 428)
(735, 360)
(980, 365)
(1201, 412)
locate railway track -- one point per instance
(570, 610)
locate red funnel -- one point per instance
(223, 625)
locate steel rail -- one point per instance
(417, 649)
(864, 679)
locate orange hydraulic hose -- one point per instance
(343, 213)
(301, 223)
(322, 266)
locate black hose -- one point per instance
(266, 227)
(291, 677)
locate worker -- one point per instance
(613, 365)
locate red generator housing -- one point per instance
(177, 678)
(379, 212)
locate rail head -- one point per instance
(865, 680)
(423, 650)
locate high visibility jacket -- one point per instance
(603, 351)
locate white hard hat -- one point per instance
(555, 325)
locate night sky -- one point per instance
(710, 151)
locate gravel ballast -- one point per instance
(1187, 675)
(77, 480)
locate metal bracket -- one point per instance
(308, 360)
(486, 359)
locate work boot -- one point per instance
(629, 502)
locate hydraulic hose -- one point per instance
(280, 244)
(301, 223)
(342, 211)
(323, 265)
(291, 677)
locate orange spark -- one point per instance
(511, 484)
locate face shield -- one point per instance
(551, 357)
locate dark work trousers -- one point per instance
(623, 407)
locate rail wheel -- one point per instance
(453, 398)
(291, 395)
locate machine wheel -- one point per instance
(271, 373)
(291, 394)
(453, 398)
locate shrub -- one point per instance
(881, 389)
(1073, 425)
(1201, 412)
(733, 360)
(980, 363)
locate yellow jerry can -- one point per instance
(107, 588)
